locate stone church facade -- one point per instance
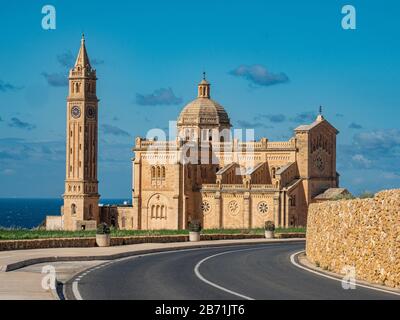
(204, 174)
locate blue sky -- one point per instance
(271, 64)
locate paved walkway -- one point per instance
(16, 284)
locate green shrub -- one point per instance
(195, 226)
(269, 226)
(23, 234)
(103, 228)
(366, 195)
(347, 196)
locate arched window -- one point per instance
(77, 88)
(157, 211)
(73, 208)
(292, 201)
(153, 172)
(163, 172)
(90, 211)
(123, 222)
(162, 212)
(158, 172)
(152, 211)
(273, 173)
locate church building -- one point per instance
(205, 174)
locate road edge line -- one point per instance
(75, 291)
(297, 264)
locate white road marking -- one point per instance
(200, 276)
(75, 291)
(293, 261)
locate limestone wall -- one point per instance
(54, 223)
(119, 241)
(360, 233)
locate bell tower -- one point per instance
(81, 196)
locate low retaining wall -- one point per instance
(360, 233)
(119, 241)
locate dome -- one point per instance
(203, 111)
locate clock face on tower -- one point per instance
(75, 112)
(91, 112)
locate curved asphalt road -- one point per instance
(257, 272)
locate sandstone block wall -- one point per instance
(359, 233)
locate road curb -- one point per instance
(302, 260)
(28, 262)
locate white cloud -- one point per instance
(361, 160)
(391, 175)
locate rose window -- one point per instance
(262, 207)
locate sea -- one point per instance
(30, 213)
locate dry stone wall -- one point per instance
(359, 233)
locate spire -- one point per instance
(204, 88)
(320, 117)
(82, 59)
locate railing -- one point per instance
(156, 144)
(262, 186)
(209, 186)
(232, 186)
(281, 144)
